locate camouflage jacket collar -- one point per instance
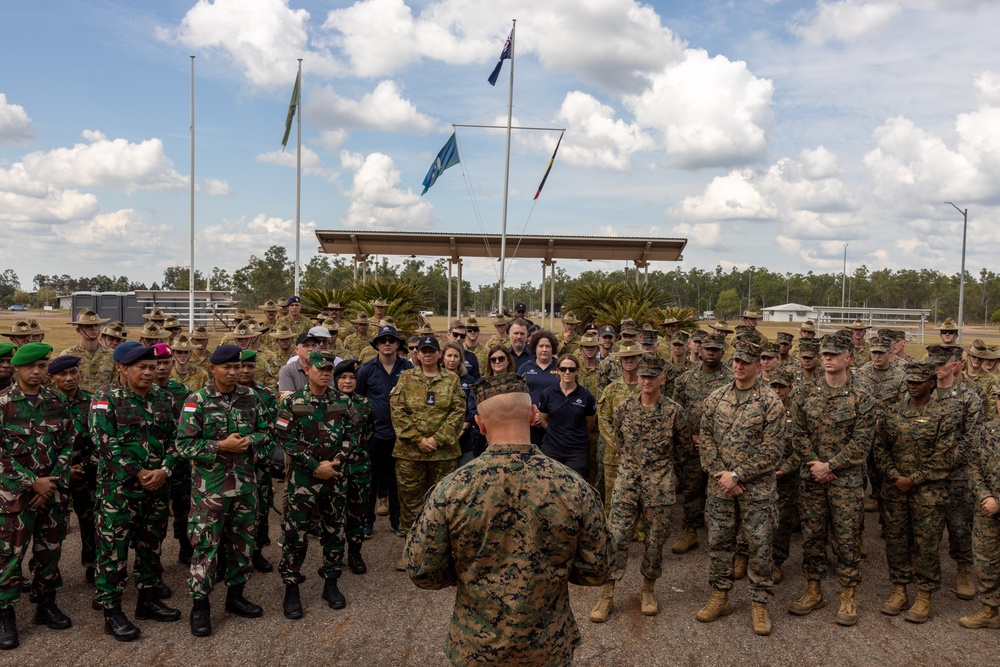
(15, 393)
(213, 391)
(510, 448)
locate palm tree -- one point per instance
(610, 302)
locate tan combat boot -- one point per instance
(988, 617)
(862, 549)
(761, 621)
(718, 605)
(964, 590)
(740, 567)
(871, 505)
(848, 612)
(687, 542)
(897, 600)
(776, 574)
(647, 598)
(605, 604)
(921, 609)
(811, 599)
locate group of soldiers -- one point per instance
(755, 437)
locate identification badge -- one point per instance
(430, 398)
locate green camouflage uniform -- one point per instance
(984, 383)
(649, 442)
(359, 469)
(311, 429)
(571, 346)
(481, 351)
(861, 356)
(421, 407)
(265, 485)
(608, 371)
(889, 388)
(788, 494)
(96, 368)
(268, 366)
(180, 480)
(35, 441)
(132, 433)
(918, 443)
(355, 344)
(690, 391)
(742, 432)
(984, 480)
(510, 529)
(834, 425)
(224, 484)
(612, 396)
(84, 492)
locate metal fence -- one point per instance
(914, 321)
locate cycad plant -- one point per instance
(611, 302)
(405, 300)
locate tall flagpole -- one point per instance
(191, 274)
(506, 171)
(298, 179)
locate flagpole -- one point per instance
(191, 274)
(298, 179)
(506, 171)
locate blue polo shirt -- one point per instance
(521, 359)
(538, 380)
(375, 384)
(567, 418)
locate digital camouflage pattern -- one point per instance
(96, 368)
(265, 484)
(918, 443)
(984, 481)
(612, 396)
(888, 386)
(132, 433)
(492, 529)
(788, 494)
(35, 441)
(83, 491)
(649, 441)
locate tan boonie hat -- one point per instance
(25, 328)
(115, 330)
(948, 325)
(570, 318)
(155, 315)
(629, 349)
(151, 330)
(282, 331)
(492, 386)
(282, 303)
(334, 305)
(380, 303)
(269, 306)
(500, 320)
(858, 325)
(669, 319)
(720, 326)
(752, 314)
(331, 324)
(387, 322)
(590, 340)
(361, 318)
(200, 331)
(172, 323)
(87, 316)
(808, 325)
(471, 322)
(182, 344)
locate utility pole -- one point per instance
(961, 280)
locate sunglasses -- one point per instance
(567, 369)
(413, 349)
(473, 329)
(383, 341)
(459, 336)
(498, 360)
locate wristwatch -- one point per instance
(736, 478)
(167, 471)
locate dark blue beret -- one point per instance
(137, 354)
(63, 363)
(124, 349)
(226, 354)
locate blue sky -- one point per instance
(768, 133)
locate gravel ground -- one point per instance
(389, 623)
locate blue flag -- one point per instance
(446, 157)
(504, 55)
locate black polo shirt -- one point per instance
(567, 418)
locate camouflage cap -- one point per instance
(269, 306)
(833, 344)
(29, 353)
(155, 315)
(25, 328)
(716, 340)
(920, 371)
(152, 331)
(782, 376)
(785, 338)
(86, 317)
(649, 337)
(808, 347)
(322, 359)
(769, 350)
(957, 352)
(898, 334)
(629, 349)
(199, 332)
(938, 354)
(570, 318)
(880, 344)
(182, 344)
(721, 326)
(628, 327)
(380, 303)
(498, 385)
(282, 331)
(699, 335)
(858, 325)
(746, 350)
(651, 365)
(115, 330)
(589, 340)
(948, 325)
(887, 333)
(808, 325)
(679, 338)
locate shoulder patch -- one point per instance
(99, 405)
(283, 420)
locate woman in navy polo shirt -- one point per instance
(540, 373)
(568, 412)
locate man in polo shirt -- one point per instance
(519, 343)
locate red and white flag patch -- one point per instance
(99, 405)
(190, 407)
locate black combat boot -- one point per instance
(163, 591)
(90, 575)
(201, 618)
(149, 607)
(185, 551)
(47, 613)
(239, 605)
(354, 560)
(117, 625)
(292, 606)
(260, 563)
(8, 629)
(333, 595)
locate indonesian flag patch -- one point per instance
(282, 423)
(99, 405)
(190, 407)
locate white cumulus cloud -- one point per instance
(15, 125)
(376, 200)
(594, 136)
(382, 109)
(214, 187)
(312, 164)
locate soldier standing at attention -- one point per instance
(628, 357)
(914, 452)
(314, 428)
(356, 342)
(649, 433)
(833, 422)
(511, 529)
(191, 376)
(36, 442)
(887, 383)
(741, 444)
(787, 476)
(281, 343)
(473, 345)
(96, 365)
(861, 353)
(690, 391)
(133, 428)
(270, 310)
(785, 358)
(808, 361)
(428, 409)
(295, 320)
(589, 344)
(25, 331)
(113, 335)
(200, 354)
(807, 330)
(223, 432)
(569, 341)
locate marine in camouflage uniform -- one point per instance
(96, 366)
(984, 481)
(612, 396)
(510, 529)
(786, 358)
(36, 442)
(914, 452)
(588, 379)
(788, 479)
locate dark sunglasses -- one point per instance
(413, 349)
(473, 329)
(457, 335)
(497, 360)
(567, 369)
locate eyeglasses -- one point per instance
(383, 341)
(567, 369)
(413, 349)
(457, 335)
(473, 329)
(498, 360)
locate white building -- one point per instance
(789, 312)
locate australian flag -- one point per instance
(504, 55)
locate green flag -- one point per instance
(291, 111)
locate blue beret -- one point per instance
(29, 353)
(137, 354)
(226, 354)
(293, 299)
(124, 349)
(63, 363)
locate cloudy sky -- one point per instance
(767, 132)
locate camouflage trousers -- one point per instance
(84, 496)
(596, 460)
(220, 522)
(44, 528)
(626, 509)
(359, 484)
(958, 516)
(914, 524)
(831, 513)
(691, 483)
(610, 475)
(324, 501)
(180, 497)
(123, 521)
(413, 480)
(787, 511)
(986, 549)
(265, 500)
(754, 520)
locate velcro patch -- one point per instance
(99, 405)
(190, 407)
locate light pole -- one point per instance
(843, 282)
(961, 280)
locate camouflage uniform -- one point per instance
(649, 441)
(84, 492)
(742, 432)
(180, 480)
(493, 529)
(196, 378)
(889, 388)
(690, 391)
(424, 406)
(299, 326)
(359, 469)
(355, 344)
(35, 441)
(609, 370)
(265, 484)
(612, 396)
(268, 366)
(861, 355)
(984, 480)
(918, 443)
(788, 494)
(224, 484)
(132, 433)
(96, 368)
(570, 346)
(312, 429)
(834, 425)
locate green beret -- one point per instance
(30, 353)
(7, 349)
(249, 355)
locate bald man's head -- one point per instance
(506, 418)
